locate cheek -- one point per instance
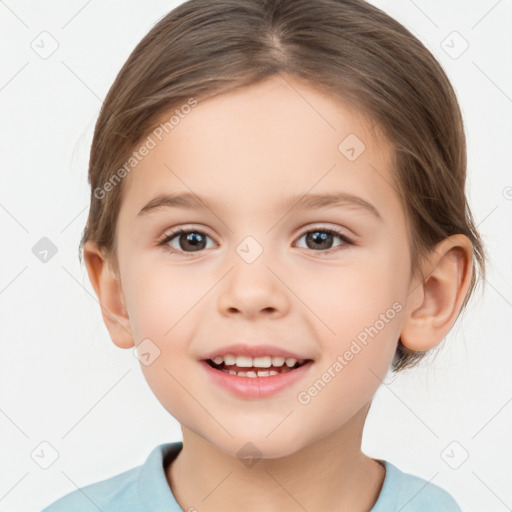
(362, 305)
(353, 296)
(159, 299)
(351, 368)
(164, 307)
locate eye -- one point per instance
(190, 241)
(322, 238)
(187, 241)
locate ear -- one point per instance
(434, 303)
(107, 286)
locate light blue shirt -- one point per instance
(145, 489)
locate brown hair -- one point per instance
(348, 48)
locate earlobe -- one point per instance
(107, 287)
(434, 303)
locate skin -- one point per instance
(247, 151)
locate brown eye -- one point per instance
(322, 239)
(186, 241)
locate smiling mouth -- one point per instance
(275, 368)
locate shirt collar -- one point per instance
(156, 495)
(154, 491)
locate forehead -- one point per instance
(258, 142)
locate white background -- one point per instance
(65, 383)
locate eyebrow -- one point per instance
(306, 201)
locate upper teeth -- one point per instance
(258, 362)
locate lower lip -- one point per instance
(256, 387)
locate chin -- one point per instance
(252, 448)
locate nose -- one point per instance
(252, 290)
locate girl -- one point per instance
(277, 218)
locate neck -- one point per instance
(330, 473)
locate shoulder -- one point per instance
(410, 493)
(130, 491)
(111, 495)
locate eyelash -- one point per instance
(347, 241)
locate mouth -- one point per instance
(256, 377)
(256, 367)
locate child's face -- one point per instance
(247, 153)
